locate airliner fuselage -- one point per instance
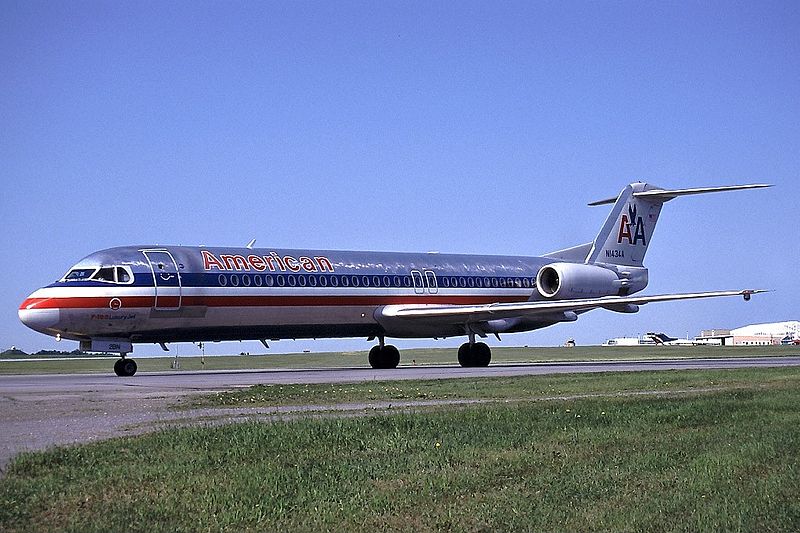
(114, 298)
(180, 294)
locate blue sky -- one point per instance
(479, 127)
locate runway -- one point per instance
(38, 411)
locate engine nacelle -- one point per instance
(561, 281)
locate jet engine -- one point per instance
(560, 281)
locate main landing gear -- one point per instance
(125, 367)
(474, 354)
(384, 356)
(470, 354)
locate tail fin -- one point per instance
(627, 231)
(661, 338)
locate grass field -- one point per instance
(505, 389)
(716, 451)
(409, 357)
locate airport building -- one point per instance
(771, 334)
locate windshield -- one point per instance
(111, 274)
(79, 274)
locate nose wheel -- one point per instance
(125, 367)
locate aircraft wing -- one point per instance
(479, 313)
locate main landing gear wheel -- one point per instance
(386, 356)
(125, 367)
(478, 354)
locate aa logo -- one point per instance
(631, 227)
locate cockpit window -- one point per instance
(79, 274)
(122, 275)
(112, 274)
(105, 274)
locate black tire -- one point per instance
(384, 358)
(465, 358)
(118, 367)
(128, 367)
(391, 356)
(481, 354)
(375, 357)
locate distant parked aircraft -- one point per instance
(663, 339)
(160, 294)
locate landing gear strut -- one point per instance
(125, 367)
(384, 356)
(474, 354)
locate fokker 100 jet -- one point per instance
(159, 294)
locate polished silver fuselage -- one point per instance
(178, 293)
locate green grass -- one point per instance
(713, 461)
(409, 357)
(523, 388)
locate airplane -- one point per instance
(117, 297)
(662, 339)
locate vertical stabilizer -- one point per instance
(627, 231)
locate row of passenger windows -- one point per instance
(301, 280)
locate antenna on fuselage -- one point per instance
(250, 244)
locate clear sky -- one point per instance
(463, 127)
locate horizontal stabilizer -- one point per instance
(664, 195)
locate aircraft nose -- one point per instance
(38, 318)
